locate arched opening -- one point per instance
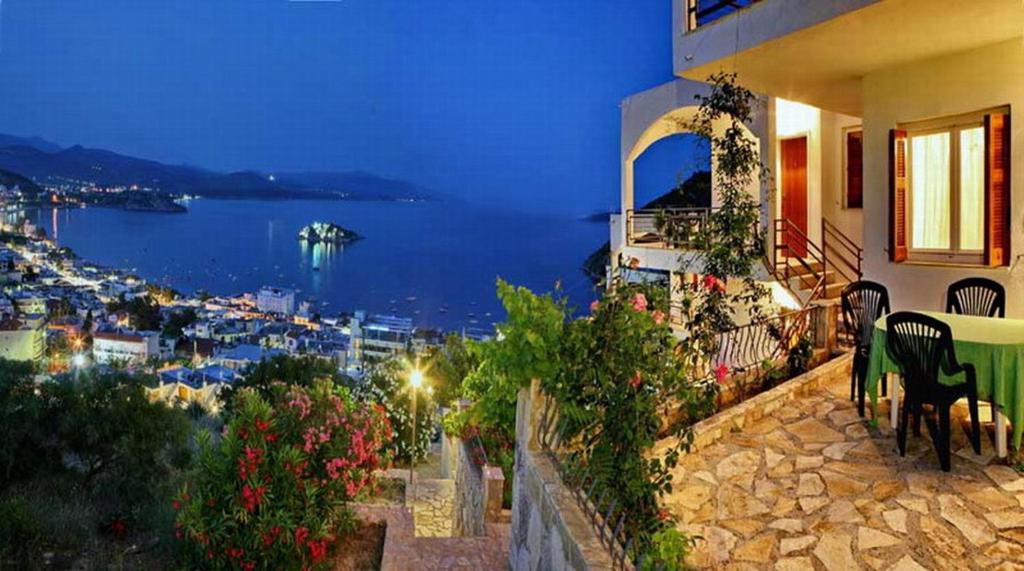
(673, 172)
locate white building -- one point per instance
(275, 300)
(135, 347)
(22, 340)
(886, 126)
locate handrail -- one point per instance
(844, 249)
(646, 223)
(749, 345)
(785, 231)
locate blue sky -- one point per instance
(509, 102)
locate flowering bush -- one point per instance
(619, 367)
(387, 383)
(273, 492)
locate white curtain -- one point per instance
(929, 191)
(972, 188)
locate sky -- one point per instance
(508, 102)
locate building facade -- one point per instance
(275, 300)
(133, 347)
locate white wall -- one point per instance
(979, 79)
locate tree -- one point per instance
(178, 321)
(449, 366)
(387, 384)
(143, 313)
(281, 369)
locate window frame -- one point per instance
(953, 125)
(846, 131)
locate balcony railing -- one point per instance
(646, 227)
(703, 12)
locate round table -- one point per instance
(994, 346)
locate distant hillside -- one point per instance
(359, 184)
(694, 192)
(10, 180)
(48, 164)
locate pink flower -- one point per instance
(721, 373)
(634, 263)
(594, 306)
(636, 381)
(659, 316)
(640, 302)
(712, 283)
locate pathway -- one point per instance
(813, 487)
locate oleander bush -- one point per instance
(274, 492)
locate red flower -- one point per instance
(721, 373)
(252, 496)
(317, 549)
(118, 528)
(261, 425)
(664, 514)
(176, 505)
(636, 381)
(247, 566)
(301, 534)
(270, 438)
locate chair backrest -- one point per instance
(863, 303)
(921, 346)
(976, 296)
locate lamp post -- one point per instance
(415, 382)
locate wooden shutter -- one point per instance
(997, 189)
(855, 169)
(897, 195)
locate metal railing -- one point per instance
(646, 227)
(703, 12)
(795, 256)
(599, 504)
(749, 346)
(841, 254)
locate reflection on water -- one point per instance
(414, 260)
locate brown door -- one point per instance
(794, 194)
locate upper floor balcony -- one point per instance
(818, 52)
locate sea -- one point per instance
(436, 262)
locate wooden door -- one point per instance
(794, 194)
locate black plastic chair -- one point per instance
(976, 296)
(922, 346)
(863, 302)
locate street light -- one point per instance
(415, 382)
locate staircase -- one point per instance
(812, 271)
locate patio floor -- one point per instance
(813, 487)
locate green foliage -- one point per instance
(527, 347)
(178, 321)
(449, 366)
(281, 369)
(618, 369)
(800, 355)
(162, 294)
(143, 312)
(20, 534)
(669, 549)
(387, 384)
(273, 493)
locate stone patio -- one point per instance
(812, 486)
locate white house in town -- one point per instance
(888, 129)
(275, 300)
(135, 347)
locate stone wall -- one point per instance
(478, 489)
(549, 530)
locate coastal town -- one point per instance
(67, 314)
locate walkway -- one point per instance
(812, 487)
(433, 507)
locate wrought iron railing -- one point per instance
(599, 504)
(703, 12)
(841, 254)
(749, 346)
(797, 258)
(647, 227)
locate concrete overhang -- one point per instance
(818, 52)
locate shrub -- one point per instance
(387, 384)
(274, 492)
(265, 375)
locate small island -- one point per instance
(327, 233)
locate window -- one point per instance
(854, 160)
(949, 190)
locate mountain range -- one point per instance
(48, 163)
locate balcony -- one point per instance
(702, 12)
(645, 227)
(819, 52)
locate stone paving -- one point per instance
(433, 507)
(812, 486)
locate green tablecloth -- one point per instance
(994, 346)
